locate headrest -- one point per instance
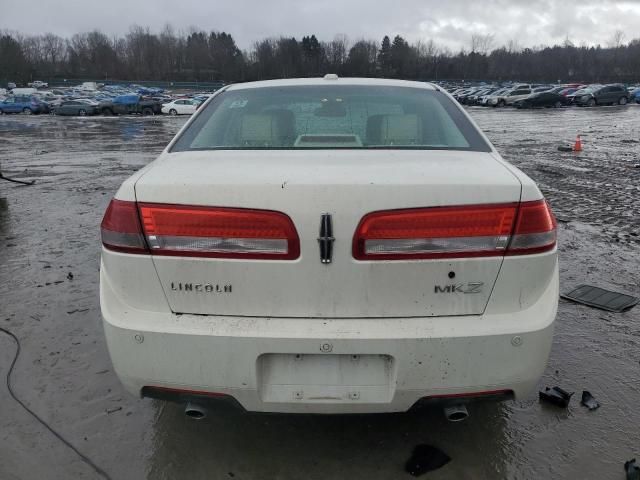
(400, 129)
(258, 130)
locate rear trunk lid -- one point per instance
(347, 184)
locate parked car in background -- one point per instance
(11, 86)
(614, 94)
(635, 95)
(88, 87)
(544, 88)
(509, 97)
(80, 106)
(24, 91)
(542, 99)
(130, 104)
(475, 98)
(582, 91)
(183, 106)
(52, 99)
(464, 98)
(38, 84)
(568, 91)
(485, 100)
(237, 299)
(27, 104)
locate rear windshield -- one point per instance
(331, 117)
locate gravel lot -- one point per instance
(51, 229)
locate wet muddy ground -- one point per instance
(50, 230)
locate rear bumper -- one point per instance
(246, 358)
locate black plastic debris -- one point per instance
(600, 298)
(556, 396)
(426, 458)
(632, 469)
(589, 402)
(565, 148)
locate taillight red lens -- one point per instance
(535, 229)
(438, 232)
(455, 232)
(197, 231)
(120, 228)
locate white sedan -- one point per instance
(180, 107)
(329, 246)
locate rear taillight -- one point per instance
(454, 232)
(120, 228)
(196, 231)
(535, 229)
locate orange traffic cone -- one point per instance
(577, 147)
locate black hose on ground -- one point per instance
(21, 182)
(83, 457)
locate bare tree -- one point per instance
(336, 52)
(513, 46)
(53, 49)
(196, 55)
(617, 39)
(481, 43)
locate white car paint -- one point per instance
(183, 106)
(38, 84)
(351, 337)
(24, 91)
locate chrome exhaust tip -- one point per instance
(194, 411)
(456, 413)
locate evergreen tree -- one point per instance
(312, 51)
(384, 57)
(400, 57)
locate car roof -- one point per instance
(324, 81)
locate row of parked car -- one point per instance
(536, 95)
(87, 100)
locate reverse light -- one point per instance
(535, 230)
(120, 228)
(455, 232)
(195, 231)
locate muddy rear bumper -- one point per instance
(352, 365)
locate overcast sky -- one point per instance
(447, 22)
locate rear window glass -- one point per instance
(331, 117)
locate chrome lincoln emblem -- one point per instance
(326, 347)
(325, 240)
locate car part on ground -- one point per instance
(556, 396)
(600, 298)
(426, 458)
(632, 470)
(589, 401)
